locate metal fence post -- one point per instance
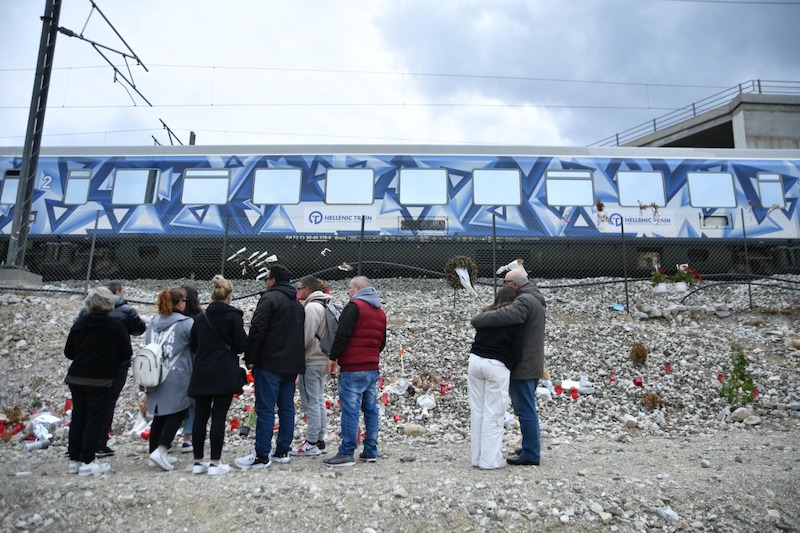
(224, 246)
(625, 265)
(494, 252)
(361, 246)
(91, 253)
(746, 259)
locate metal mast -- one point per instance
(33, 136)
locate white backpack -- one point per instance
(148, 365)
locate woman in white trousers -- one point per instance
(494, 353)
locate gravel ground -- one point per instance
(608, 462)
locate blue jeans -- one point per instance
(523, 398)
(359, 391)
(271, 389)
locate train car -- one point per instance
(560, 209)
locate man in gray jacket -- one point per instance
(527, 309)
(312, 384)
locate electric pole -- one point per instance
(33, 136)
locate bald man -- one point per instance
(360, 338)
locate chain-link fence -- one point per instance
(616, 260)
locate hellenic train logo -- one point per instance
(615, 220)
(315, 217)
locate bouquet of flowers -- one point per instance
(658, 276)
(686, 274)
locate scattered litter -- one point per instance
(427, 402)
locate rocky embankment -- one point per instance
(636, 447)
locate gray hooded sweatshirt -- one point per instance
(171, 396)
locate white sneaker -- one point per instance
(162, 460)
(93, 468)
(306, 449)
(200, 467)
(74, 467)
(282, 458)
(252, 461)
(153, 464)
(218, 470)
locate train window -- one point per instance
(718, 221)
(770, 189)
(133, 186)
(351, 186)
(569, 187)
(273, 186)
(205, 186)
(640, 187)
(420, 186)
(77, 192)
(8, 194)
(496, 187)
(711, 189)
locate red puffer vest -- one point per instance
(363, 350)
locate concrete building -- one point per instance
(755, 115)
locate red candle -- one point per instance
(146, 434)
(397, 418)
(613, 377)
(638, 381)
(443, 389)
(380, 382)
(68, 405)
(669, 368)
(573, 392)
(559, 389)
(720, 378)
(234, 423)
(385, 398)
(755, 392)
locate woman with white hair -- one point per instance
(97, 345)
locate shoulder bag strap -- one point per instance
(214, 330)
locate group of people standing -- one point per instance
(204, 373)
(284, 342)
(203, 349)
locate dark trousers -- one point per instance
(163, 429)
(89, 407)
(215, 407)
(116, 389)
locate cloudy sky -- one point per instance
(528, 72)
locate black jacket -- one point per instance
(216, 368)
(277, 337)
(129, 318)
(97, 344)
(502, 343)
